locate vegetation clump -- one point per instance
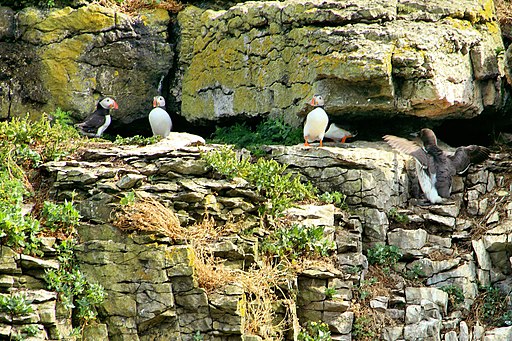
(293, 242)
(281, 188)
(74, 290)
(268, 132)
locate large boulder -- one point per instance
(432, 59)
(69, 58)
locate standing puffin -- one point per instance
(316, 122)
(159, 119)
(435, 167)
(98, 122)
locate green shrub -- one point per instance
(384, 255)
(494, 310)
(315, 331)
(296, 241)
(362, 328)
(136, 140)
(15, 304)
(26, 143)
(415, 272)
(335, 198)
(73, 288)
(455, 294)
(398, 217)
(64, 216)
(281, 188)
(17, 230)
(269, 132)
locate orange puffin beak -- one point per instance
(313, 101)
(114, 105)
(155, 104)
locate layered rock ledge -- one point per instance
(464, 244)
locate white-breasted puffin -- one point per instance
(316, 122)
(96, 124)
(435, 167)
(336, 132)
(159, 119)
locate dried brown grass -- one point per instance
(148, 214)
(504, 10)
(261, 283)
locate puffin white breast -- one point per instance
(160, 122)
(316, 123)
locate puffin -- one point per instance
(335, 132)
(159, 119)
(435, 168)
(316, 121)
(96, 124)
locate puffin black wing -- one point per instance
(408, 147)
(466, 156)
(92, 123)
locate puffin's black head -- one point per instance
(158, 101)
(317, 101)
(107, 103)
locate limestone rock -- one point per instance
(66, 57)
(265, 46)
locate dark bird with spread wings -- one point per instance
(435, 168)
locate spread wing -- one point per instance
(466, 156)
(408, 147)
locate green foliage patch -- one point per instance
(17, 230)
(315, 331)
(136, 140)
(74, 290)
(493, 309)
(384, 255)
(335, 198)
(281, 188)
(269, 132)
(455, 295)
(15, 304)
(25, 143)
(296, 241)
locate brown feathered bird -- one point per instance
(435, 167)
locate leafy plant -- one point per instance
(363, 287)
(393, 214)
(198, 336)
(74, 290)
(455, 294)
(385, 255)
(25, 143)
(330, 292)
(415, 272)
(335, 198)
(281, 188)
(128, 199)
(362, 328)
(16, 230)
(63, 216)
(296, 241)
(494, 307)
(268, 132)
(136, 140)
(315, 331)
(15, 304)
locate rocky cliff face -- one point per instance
(153, 292)
(69, 58)
(368, 58)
